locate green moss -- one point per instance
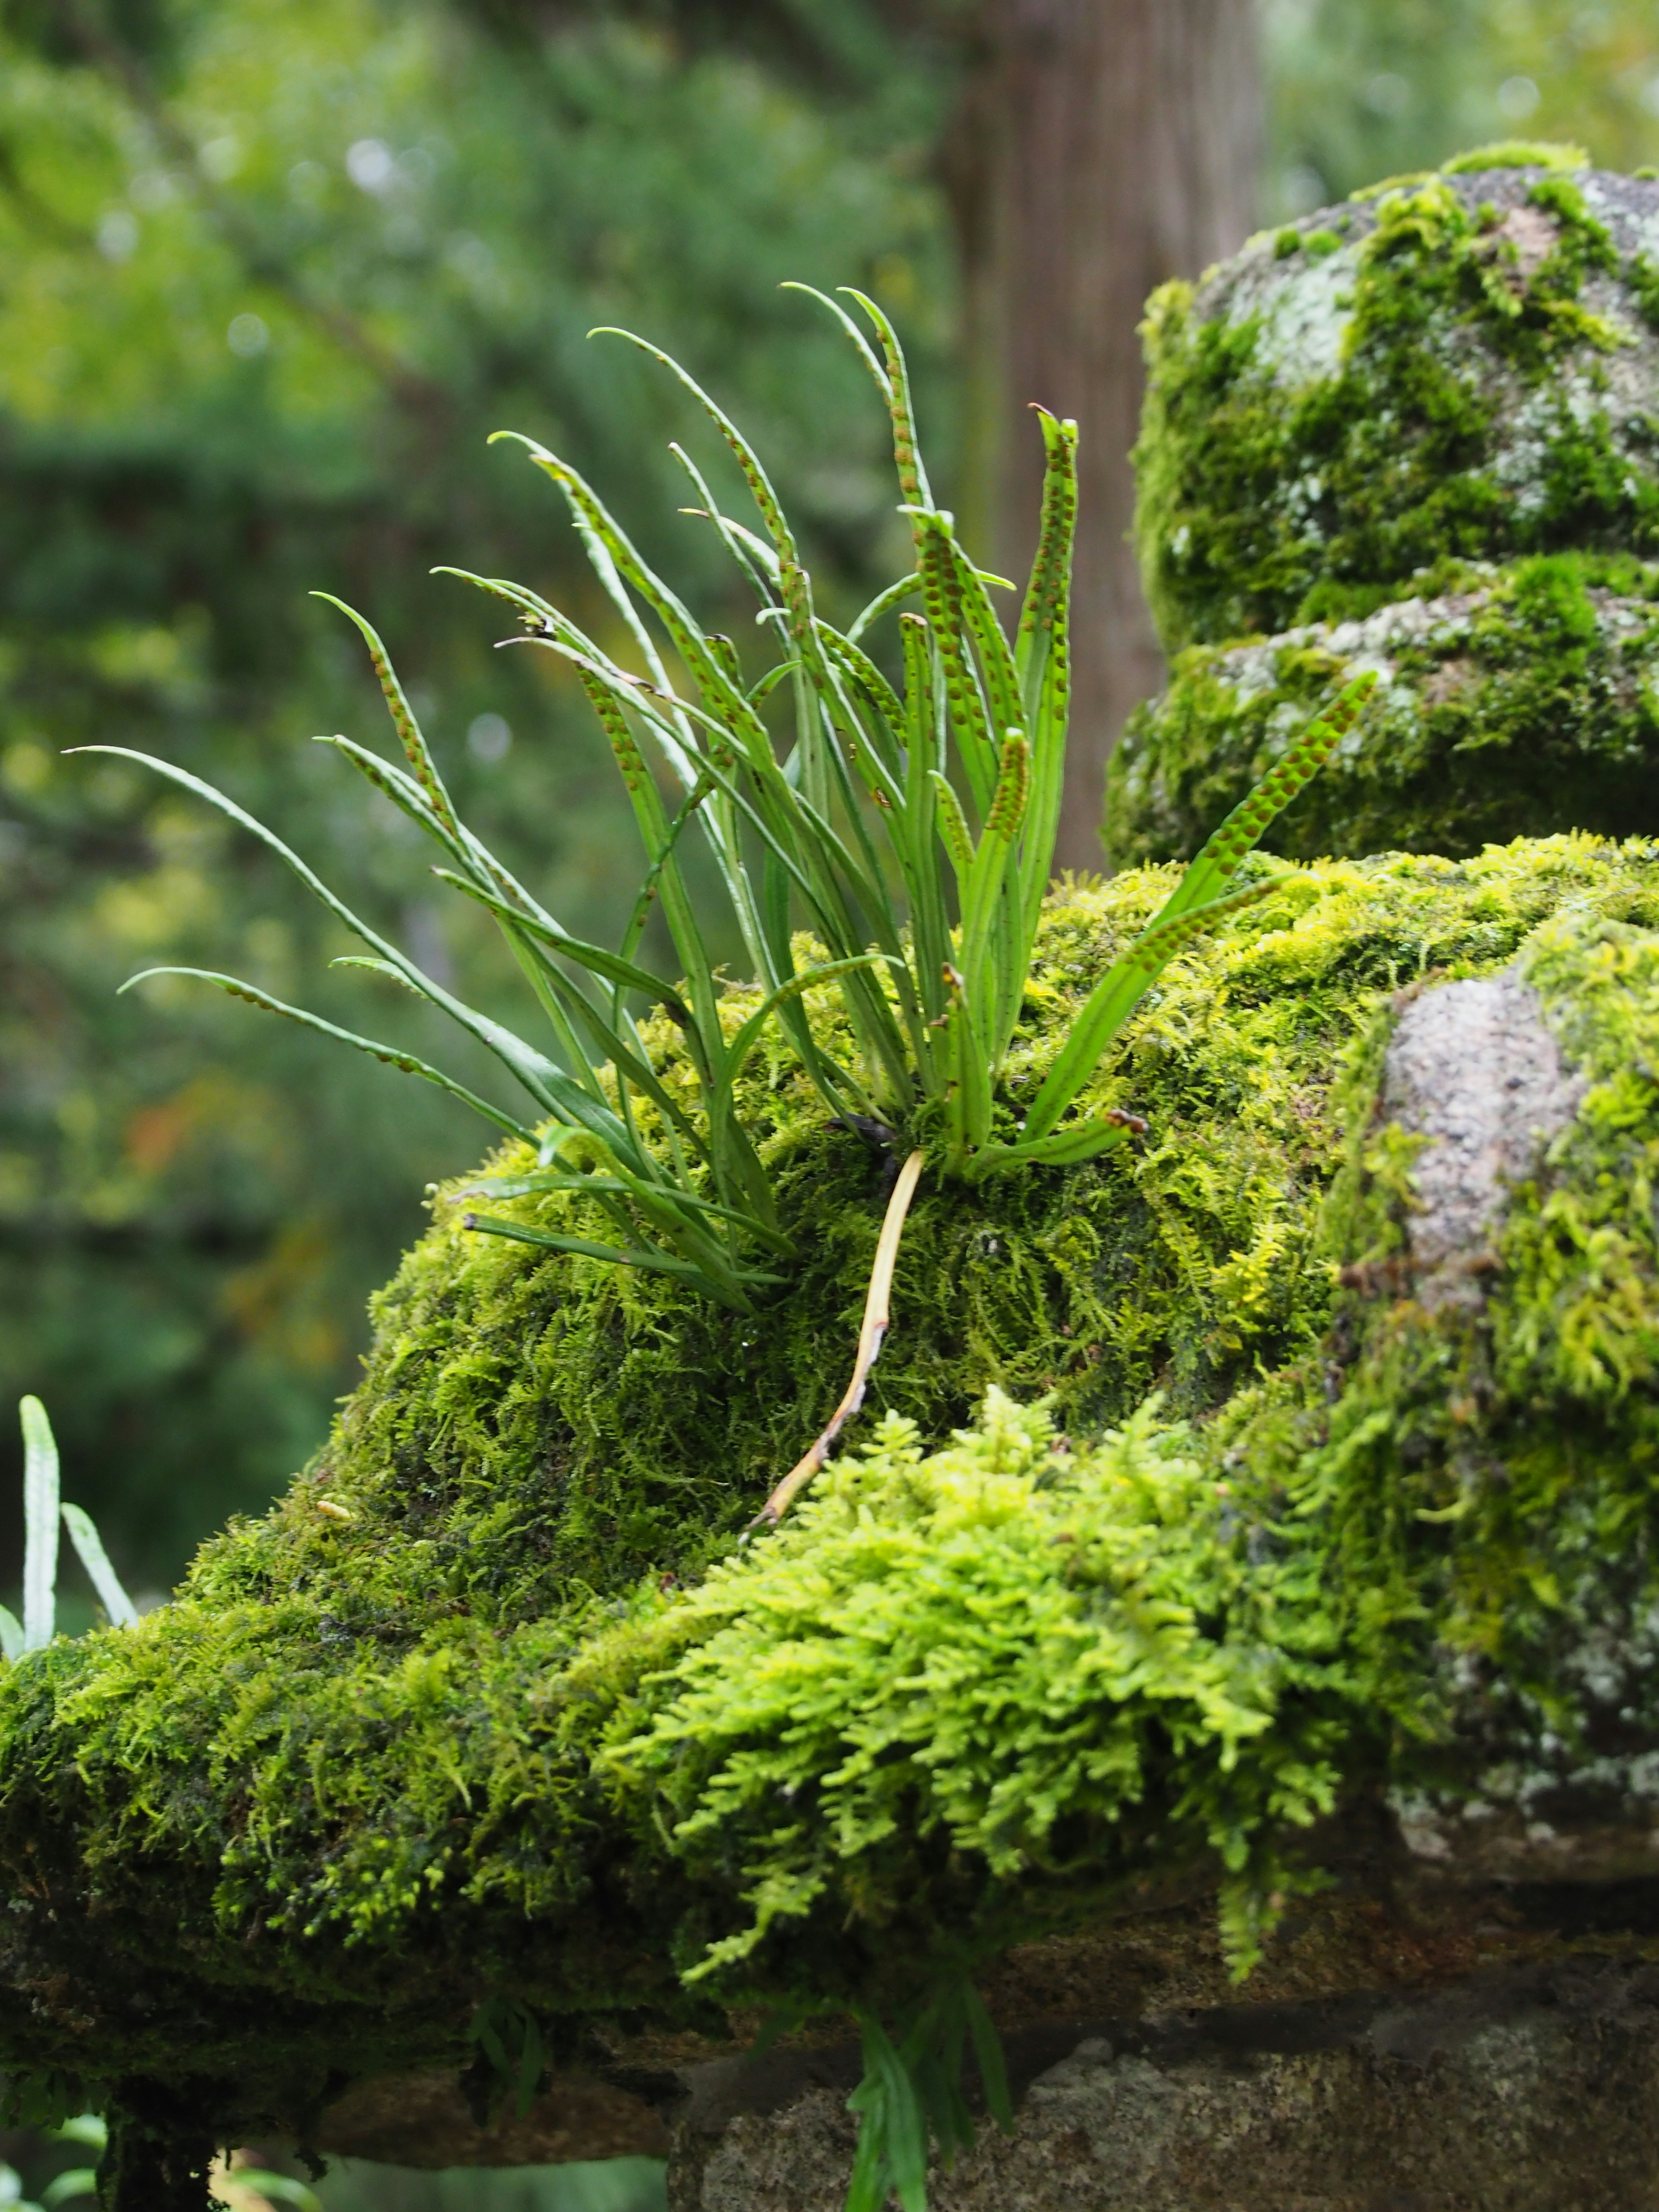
(1439, 388)
(489, 1734)
(1644, 276)
(1513, 700)
(840, 1722)
(1486, 1478)
(1517, 154)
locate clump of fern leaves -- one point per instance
(909, 827)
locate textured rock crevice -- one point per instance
(1474, 1070)
(1523, 2090)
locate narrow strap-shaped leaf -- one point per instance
(1011, 952)
(929, 921)
(557, 995)
(659, 839)
(591, 1186)
(661, 860)
(726, 651)
(876, 758)
(931, 2052)
(533, 1069)
(482, 870)
(627, 1255)
(90, 1549)
(907, 456)
(757, 560)
(985, 878)
(1043, 609)
(824, 890)
(1076, 1142)
(468, 851)
(848, 874)
(768, 826)
(404, 792)
(754, 475)
(40, 1526)
(755, 546)
(392, 1054)
(530, 2065)
(969, 722)
(763, 686)
(611, 965)
(861, 344)
(952, 824)
(930, 716)
(888, 707)
(611, 540)
(1001, 684)
(1252, 818)
(731, 718)
(744, 1043)
(1116, 997)
(616, 573)
(1042, 666)
(539, 612)
(867, 2188)
(544, 623)
(987, 2053)
(418, 752)
(968, 1099)
(631, 1068)
(605, 543)
(833, 1084)
(906, 587)
(906, 2128)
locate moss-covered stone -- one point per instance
(1513, 698)
(1469, 372)
(450, 1723)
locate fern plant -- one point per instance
(43, 1512)
(909, 827)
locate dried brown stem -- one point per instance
(870, 1336)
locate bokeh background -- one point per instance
(270, 271)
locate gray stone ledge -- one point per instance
(1530, 2088)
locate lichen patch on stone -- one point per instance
(1472, 1070)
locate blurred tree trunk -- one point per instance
(1101, 146)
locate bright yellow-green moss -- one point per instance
(1511, 154)
(491, 1734)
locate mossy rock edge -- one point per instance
(467, 1716)
(1513, 697)
(1454, 366)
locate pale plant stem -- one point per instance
(876, 1318)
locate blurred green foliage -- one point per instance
(272, 272)
(1363, 89)
(612, 2184)
(41, 2169)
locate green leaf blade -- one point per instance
(40, 1508)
